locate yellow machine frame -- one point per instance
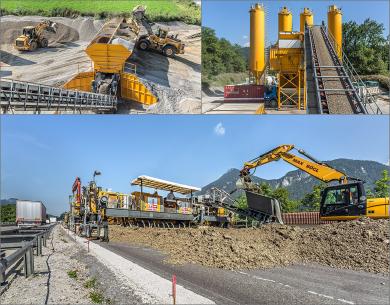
(111, 58)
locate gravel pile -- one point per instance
(358, 245)
(69, 30)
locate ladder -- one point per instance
(24, 96)
(337, 77)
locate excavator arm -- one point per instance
(313, 167)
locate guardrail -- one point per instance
(25, 244)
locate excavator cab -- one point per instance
(343, 201)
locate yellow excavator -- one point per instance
(33, 36)
(346, 200)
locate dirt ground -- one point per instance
(175, 81)
(357, 245)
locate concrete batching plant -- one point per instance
(305, 70)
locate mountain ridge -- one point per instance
(299, 183)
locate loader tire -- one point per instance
(33, 45)
(169, 51)
(104, 89)
(143, 45)
(44, 43)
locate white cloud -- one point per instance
(246, 44)
(219, 130)
(245, 37)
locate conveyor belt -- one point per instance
(19, 96)
(333, 86)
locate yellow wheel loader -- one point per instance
(33, 36)
(169, 45)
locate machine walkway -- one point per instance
(26, 96)
(333, 86)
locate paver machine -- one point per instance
(343, 199)
(33, 36)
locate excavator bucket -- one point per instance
(81, 82)
(264, 204)
(133, 89)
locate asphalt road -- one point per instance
(299, 284)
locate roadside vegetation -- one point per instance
(162, 10)
(312, 200)
(8, 213)
(221, 60)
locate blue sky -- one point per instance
(42, 155)
(230, 19)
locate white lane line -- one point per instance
(242, 272)
(330, 297)
(326, 296)
(263, 279)
(345, 301)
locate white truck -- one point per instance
(30, 212)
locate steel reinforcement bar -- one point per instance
(24, 96)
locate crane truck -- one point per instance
(345, 199)
(33, 36)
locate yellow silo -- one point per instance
(306, 17)
(335, 27)
(257, 42)
(285, 20)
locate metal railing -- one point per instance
(25, 244)
(27, 96)
(368, 101)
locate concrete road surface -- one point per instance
(300, 284)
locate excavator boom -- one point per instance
(313, 167)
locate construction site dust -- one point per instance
(358, 245)
(176, 81)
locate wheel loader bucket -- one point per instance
(264, 204)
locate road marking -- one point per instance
(330, 297)
(242, 272)
(345, 301)
(263, 279)
(326, 296)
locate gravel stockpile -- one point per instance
(358, 245)
(338, 102)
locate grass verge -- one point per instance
(161, 10)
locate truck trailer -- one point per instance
(30, 212)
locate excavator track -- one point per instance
(334, 90)
(25, 96)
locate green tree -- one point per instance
(382, 185)
(366, 47)
(220, 56)
(8, 213)
(311, 201)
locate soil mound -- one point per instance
(359, 245)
